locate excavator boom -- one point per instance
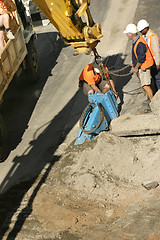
(73, 20)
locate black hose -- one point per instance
(82, 118)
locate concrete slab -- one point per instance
(155, 107)
(139, 124)
(136, 125)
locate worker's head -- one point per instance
(131, 31)
(96, 66)
(143, 26)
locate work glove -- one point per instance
(158, 67)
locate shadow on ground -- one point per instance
(11, 200)
(22, 95)
(43, 150)
(120, 73)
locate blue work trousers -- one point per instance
(156, 76)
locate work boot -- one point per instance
(146, 102)
(145, 108)
(10, 35)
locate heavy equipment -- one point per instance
(96, 117)
(73, 20)
(19, 55)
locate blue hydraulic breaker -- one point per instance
(97, 116)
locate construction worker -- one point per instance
(5, 15)
(92, 80)
(152, 40)
(141, 58)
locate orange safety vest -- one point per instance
(150, 34)
(89, 76)
(149, 59)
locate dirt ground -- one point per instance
(93, 191)
(105, 198)
(99, 194)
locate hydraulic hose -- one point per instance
(85, 115)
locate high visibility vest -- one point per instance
(150, 34)
(89, 76)
(149, 59)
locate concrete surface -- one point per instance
(139, 124)
(155, 103)
(136, 125)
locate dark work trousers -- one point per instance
(155, 78)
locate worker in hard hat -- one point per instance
(92, 80)
(141, 58)
(154, 45)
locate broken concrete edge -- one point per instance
(150, 185)
(154, 104)
(132, 125)
(137, 125)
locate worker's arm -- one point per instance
(95, 88)
(111, 82)
(136, 68)
(141, 55)
(155, 48)
(112, 85)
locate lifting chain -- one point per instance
(104, 71)
(103, 76)
(119, 70)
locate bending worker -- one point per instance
(152, 40)
(142, 60)
(92, 80)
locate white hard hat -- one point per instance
(96, 65)
(142, 24)
(96, 70)
(131, 28)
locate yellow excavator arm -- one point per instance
(73, 20)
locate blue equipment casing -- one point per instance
(92, 116)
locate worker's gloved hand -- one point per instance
(158, 67)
